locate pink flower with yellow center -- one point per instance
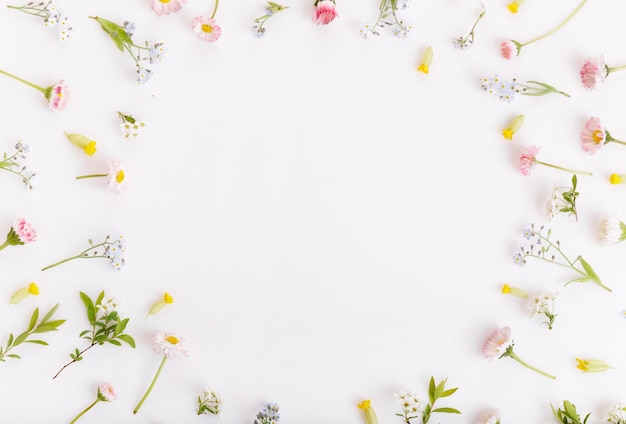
(165, 7)
(57, 95)
(497, 343)
(593, 135)
(527, 160)
(117, 181)
(170, 345)
(325, 12)
(594, 71)
(206, 29)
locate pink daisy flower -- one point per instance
(106, 392)
(165, 7)
(57, 95)
(497, 343)
(594, 71)
(325, 12)
(117, 180)
(509, 49)
(21, 232)
(170, 345)
(527, 160)
(206, 29)
(593, 135)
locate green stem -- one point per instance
(35, 86)
(562, 169)
(471, 33)
(79, 256)
(558, 27)
(91, 176)
(154, 380)
(217, 2)
(610, 139)
(615, 68)
(530, 367)
(86, 409)
(5, 244)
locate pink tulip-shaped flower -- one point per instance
(325, 12)
(528, 160)
(21, 232)
(56, 95)
(106, 393)
(499, 344)
(165, 7)
(509, 49)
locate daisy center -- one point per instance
(164, 1)
(172, 340)
(207, 28)
(598, 136)
(119, 177)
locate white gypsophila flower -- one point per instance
(616, 414)
(409, 402)
(552, 205)
(541, 303)
(107, 304)
(611, 231)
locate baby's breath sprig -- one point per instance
(209, 403)
(45, 325)
(106, 326)
(52, 17)
(542, 247)
(388, 17)
(270, 10)
(131, 127)
(543, 304)
(465, 43)
(568, 415)
(112, 248)
(121, 36)
(563, 200)
(11, 164)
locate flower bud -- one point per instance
(88, 146)
(427, 59)
(513, 127)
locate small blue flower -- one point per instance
(143, 75)
(519, 259)
(129, 27)
(528, 233)
(157, 52)
(268, 415)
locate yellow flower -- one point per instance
(514, 5)
(617, 179)
(156, 308)
(22, 293)
(506, 289)
(88, 146)
(513, 127)
(592, 365)
(427, 59)
(370, 415)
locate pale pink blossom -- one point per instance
(497, 343)
(527, 160)
(165, 7)
(594, 71)
(325, 12)
(206, 29)
(593, 135)
(106, 392)
(117, 178)
(508, 49)
(25, 231)
(57, 95)
(170, 345)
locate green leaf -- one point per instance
(8, 342)
(100, 297)
(449, 392)
(44, 329)
(41, 342)
(20, 339)
(82, 333)
(128, 339)
(108, 26)
(439, 389)
(431, 390)
(55, 323)
(570, 410)
(49, 314)
(91, 309)
(33, 319)
(590, 272)
(447, 410)
(121, 326)
(114, 342)
(13, 355)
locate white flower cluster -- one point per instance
(57, 19)
(131, 131)
(542, 303)
(410, 403)
(616, 415)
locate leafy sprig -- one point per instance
(564, 199)
(45, 325)
(568, 415)
(544, 252)
(436, 392)
(106, 327)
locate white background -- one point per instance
(333, 225)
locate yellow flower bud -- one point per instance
(427, 59)
(617, 179)
(506, 289)
(592, 365)
(513, 127)
(22, 293)
(156, 308)
(88, 146)
(167, 298)
(370, 415)
(513, 6)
